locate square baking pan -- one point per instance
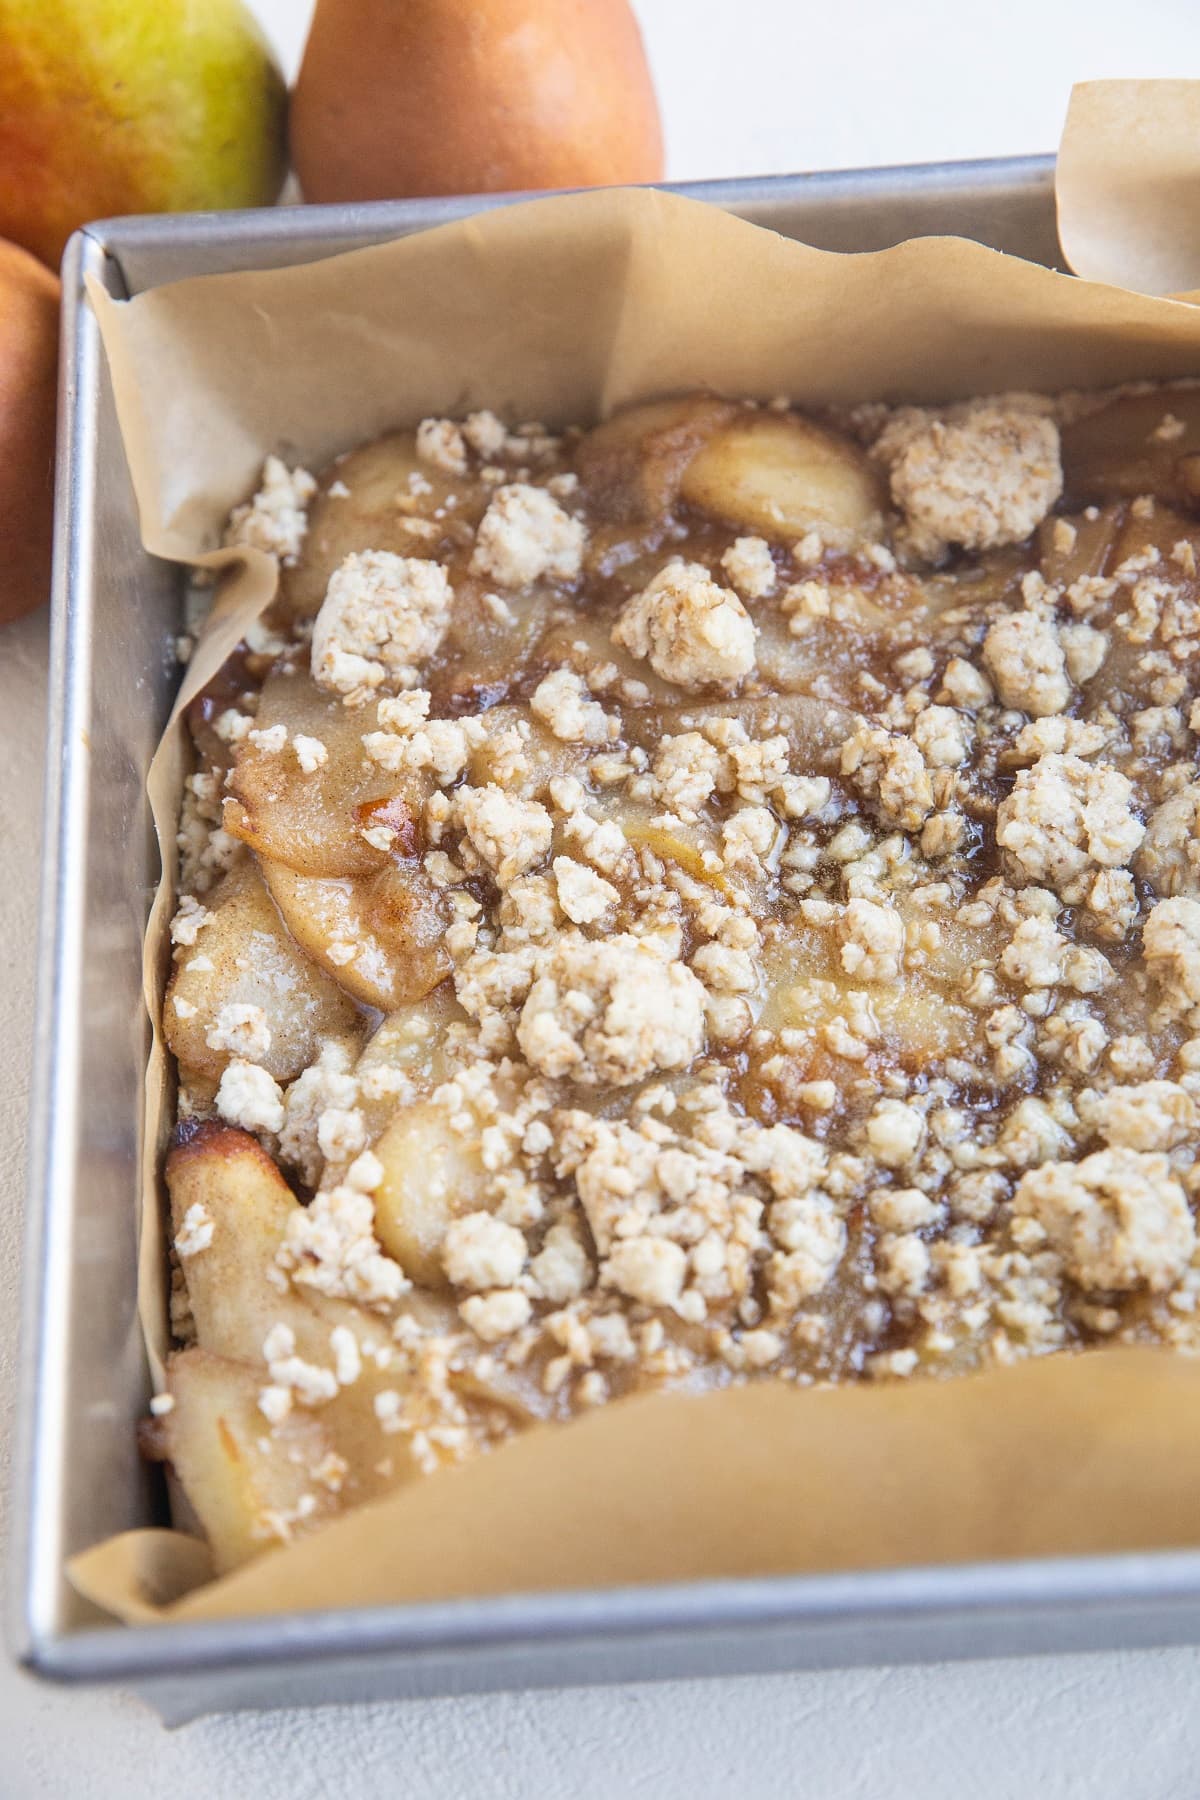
(84, 1379)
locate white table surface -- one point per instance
(746, 88)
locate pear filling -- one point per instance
(710, 897)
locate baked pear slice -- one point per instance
(248, 1488)
(405, 1059)
(246, 1464)
(313, 821)
(632, 465)
(381, 497)
(815, 729)
(380, 937)
(781, 475)
(1137, 444)
(233, 1280)
(432, 1174)
(245, 956)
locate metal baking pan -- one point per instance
(78, 1477)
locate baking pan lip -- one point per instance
(1040, 1587)
(129, 255)
(33, 1550)
(374, 220)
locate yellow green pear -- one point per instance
(120, 106)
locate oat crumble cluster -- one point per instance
(712, 897)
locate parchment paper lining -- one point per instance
(562, 309)
(1128, 185)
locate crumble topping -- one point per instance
(1119, 1218)
(690, 630)
(942, 736)
(1169, 855)
(888, 769)
(441, 443)
(411, 743)
(1147, 1115)
(966, 685)
(611, 1012)
(382, 617)
(1065, 820)
(247, 1096)
(583, 895)
(241, 1029)
(873, 943)
(1027, 662)
(979, 476)
(526, 536)
(326, 1086)
(687, 771)
(482, 1252)
(497, 1315)
(751, 568)
(331, 1247)
(507, 833)
(188, 922)
(814, 997)
(311, 753)
(562, 700)
(1171, 945)
(271, 739)
(486, 434)
(276, 519)
(649, 1269)
(196, 1232)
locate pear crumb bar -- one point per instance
(711, 897)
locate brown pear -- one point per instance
(472, 96)
(29, 296)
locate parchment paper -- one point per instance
(1128, 185)
(562, 309)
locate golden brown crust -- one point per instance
(209, 1140)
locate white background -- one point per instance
(749, 87)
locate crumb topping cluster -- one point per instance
(672, 931)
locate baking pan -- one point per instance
(84, 1380)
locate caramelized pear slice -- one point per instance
(405, 1059)
(400, 503)
(779, 474)
(314, 822)
(393, 922)
(1137, 444)
(431, 1171)
(826, 651)
(543, 755)
(431, 1175)
(684, 852)
(244, 956)
(233, 1284)
(247, 1488)
(915, 1019)
(237, 1298)
(1159, 529)
(391, 505)
(1070, 548)
(488, 643)
(632, 465)
(584, 642)
(229, 1175)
